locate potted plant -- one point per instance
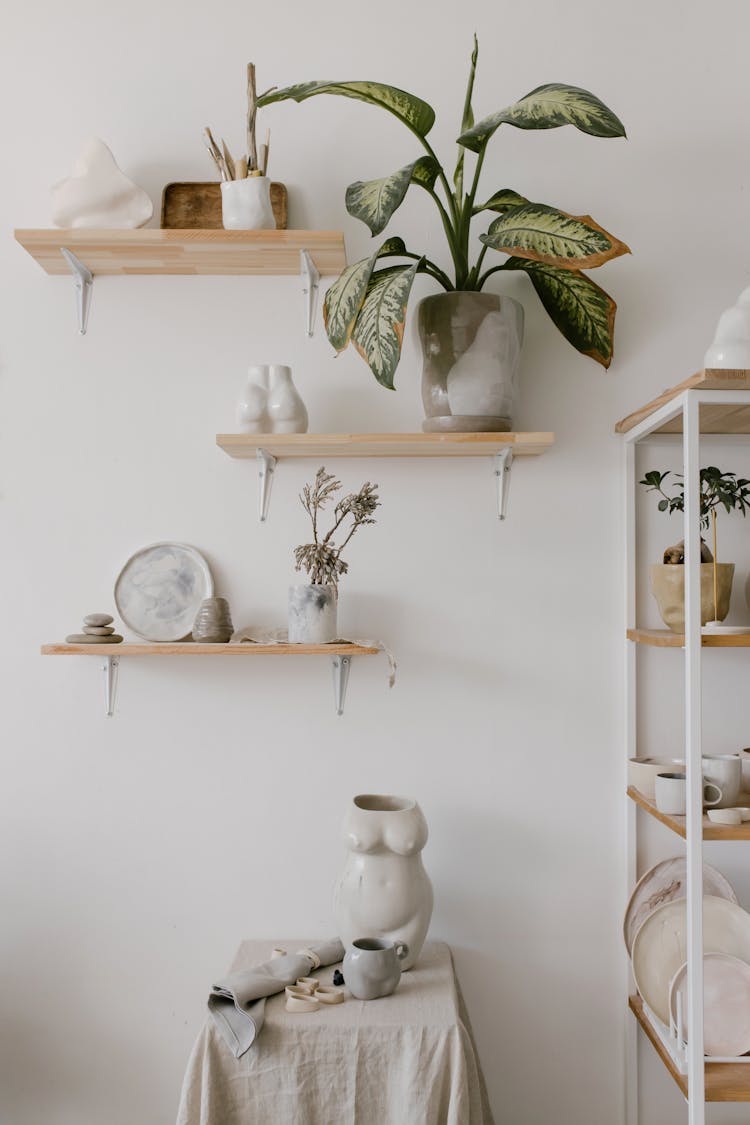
(312, 607)
(471, 339)
(717, 490)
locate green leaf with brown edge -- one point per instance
(501, 201)
(416, 114)
(379, 329)
(544, 234)
(549, 107)
(374, 201)
(583, 312)
(343, 301)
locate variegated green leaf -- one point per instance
(545, 234)
(501, 201)
(467, 120)
(392, 246)
(374, 201)
(548, 107)
(379, 329)
(412, 111)
(583, 312)
(344, 300)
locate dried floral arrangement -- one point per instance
(322, 558)
(252, 164)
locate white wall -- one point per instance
(138, 851)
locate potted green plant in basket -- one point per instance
(313, 607)
(717, 490)
(471, 339)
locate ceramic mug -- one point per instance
(725, 770)
(246, 204)
(372, 967)
(671, 793)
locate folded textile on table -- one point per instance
(237, 1003)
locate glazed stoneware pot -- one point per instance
(312, 614)
(668, 587)
(384, 890)
(471, 349)
(372, 967)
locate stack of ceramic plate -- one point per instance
(655, 931)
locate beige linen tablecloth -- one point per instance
(406, 1059)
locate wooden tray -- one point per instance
(198, 206)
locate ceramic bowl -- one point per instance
(642, 772)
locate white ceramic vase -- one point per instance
(286, 410)
(252, 414)
(384, 890)
(246, 204)
(312, 615)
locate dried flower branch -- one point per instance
(322, 558)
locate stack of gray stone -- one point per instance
(97, 630)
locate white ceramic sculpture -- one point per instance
(384, 890)
(246, 204)
(98, 194)
(731, 344)
(270, 403)
(312, 615)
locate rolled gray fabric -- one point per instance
(237, 1003)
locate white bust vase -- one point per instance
(384, 890)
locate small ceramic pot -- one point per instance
(312, 615)
(286, 410)
(668, 587)
(372, 967)
(246, 204)
(642, 772)
(213, 622)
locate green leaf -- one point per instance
(501, 201)
(391, 246)
(547, 235)
(467, 121)
(549, 107)
(344, 300)
(412, 111)
(374, 201)
(583, 312)
(379, 329)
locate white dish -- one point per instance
(159, 590)
(662, 883)
(726, 1004)
(725, 628)
(660, 946)
(642, 772)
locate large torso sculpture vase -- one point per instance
(384, 890)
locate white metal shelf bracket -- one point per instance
(266, 469)
(503, 463)
(310, 284)
(110, 668)
(341, 668)
(83, 279)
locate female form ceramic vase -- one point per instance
(668, 587)
(471, 346)
(246, 204)
(270, 403)
(384, 890)
(312, 615)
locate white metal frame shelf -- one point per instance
(685, 407)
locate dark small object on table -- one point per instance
(338, 978)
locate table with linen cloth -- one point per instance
(404, 1059)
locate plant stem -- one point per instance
(488, 273)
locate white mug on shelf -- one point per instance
(725, 770)
(671, 793)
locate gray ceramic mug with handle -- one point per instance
(372, 967)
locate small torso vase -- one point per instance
(384, 890)
(252, 406)
(286, 410)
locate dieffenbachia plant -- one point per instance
(366, 305)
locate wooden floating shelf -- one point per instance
(725, 1082)
(384, 445)
(190, 648)
(711, 831)
(199, 252)
(715, 418)
(665, 638)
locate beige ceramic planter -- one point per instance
(668, 587)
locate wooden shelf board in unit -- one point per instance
(725, 1082)
(711, 831)
(665, 638)
(384, 445)
(218, 252)
(190, 648)
(714, 418)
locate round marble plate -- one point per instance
(664, 882)
(159, 590)
(660, 946)
(726, 1004)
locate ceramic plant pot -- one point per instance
(312, 615)
(668, 587)
(246, 204)
(213, 622)
(384, 890)
(471, 348)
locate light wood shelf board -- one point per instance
(665, 638)
(216, 252)
(711, 831)
(725, 1082)
(190, 648)
(384, 445)
(714, 419)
